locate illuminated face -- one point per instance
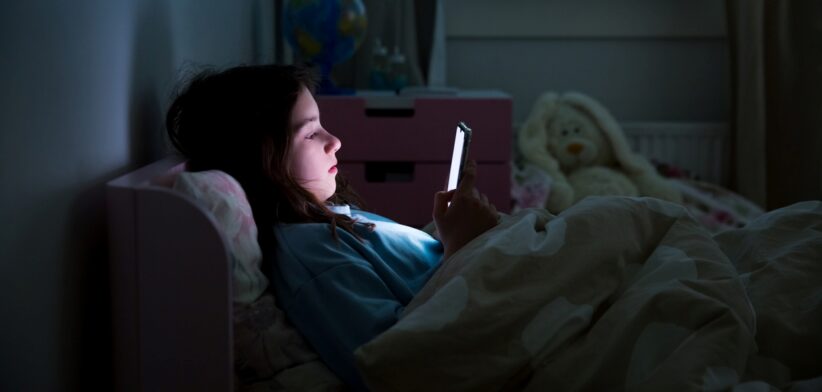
(312, 154)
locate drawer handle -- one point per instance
(389, 171)
(390, 112)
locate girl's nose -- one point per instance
(334, 144)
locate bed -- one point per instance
(170, 286)
(614, 293)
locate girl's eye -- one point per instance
(564, 133)
(311, 135)
(576, 130)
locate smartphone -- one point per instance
(462, 139)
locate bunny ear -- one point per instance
(613, 131)
(532, 136)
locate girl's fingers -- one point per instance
(441, 200)
(469, 174)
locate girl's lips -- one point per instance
(333, 169)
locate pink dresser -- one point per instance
(396, 150)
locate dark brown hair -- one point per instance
(238, 121)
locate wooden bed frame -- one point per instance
(171, 286)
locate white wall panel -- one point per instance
(637, 80)
(585, 18)
(645, 60)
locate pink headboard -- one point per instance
(171, 286)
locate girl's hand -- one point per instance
(469, 215)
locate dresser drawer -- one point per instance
(405, 192)
(419, 130)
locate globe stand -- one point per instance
(327, 85)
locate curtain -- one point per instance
(776, 82)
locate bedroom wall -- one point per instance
(84, 84)
(645, 60)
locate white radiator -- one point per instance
(700, 148)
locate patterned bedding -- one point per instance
(716, 207)
(615, 294)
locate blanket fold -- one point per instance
(614, 293)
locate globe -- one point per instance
(325, 32)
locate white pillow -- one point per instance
(224, 198)
(269, 353)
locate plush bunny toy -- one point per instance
(577, 142)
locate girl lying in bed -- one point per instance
(612, 294)
(341, 274)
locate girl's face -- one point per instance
(312, 159)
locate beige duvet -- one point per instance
(615, 294)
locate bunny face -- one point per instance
(575, 140)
